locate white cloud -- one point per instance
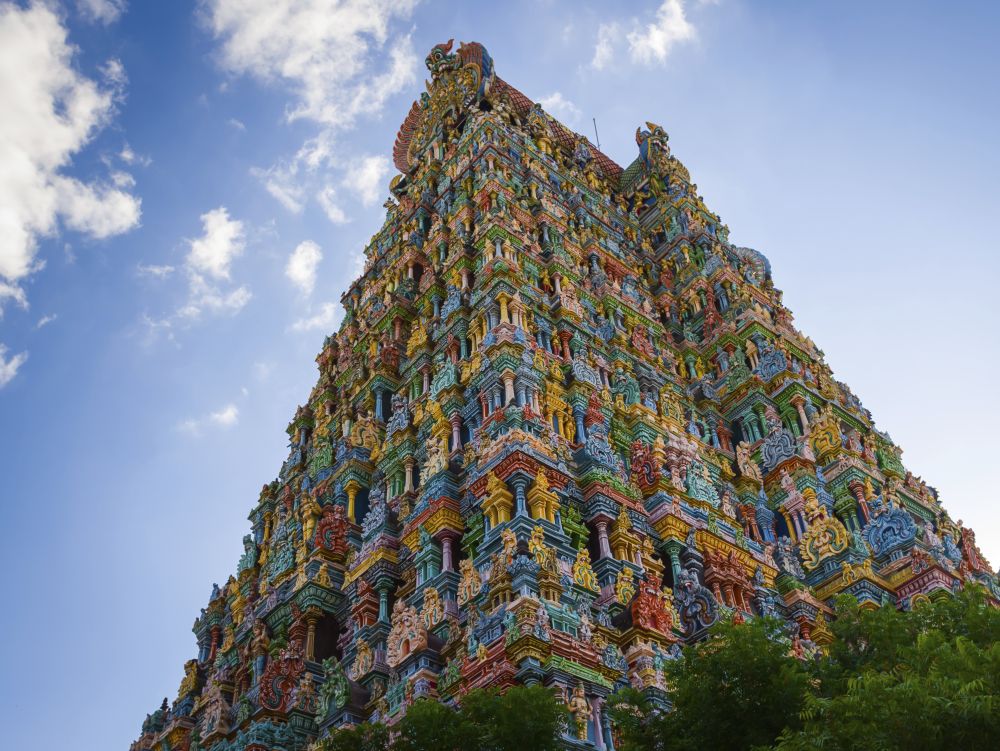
(339, 59)
(122, 179)
(101, 11)
(50, 112)
(207, 268)
(607, 35)
(366, 176)
(9, 368)
(326, 319)
(560, 107)
(203, 296)
(327, 199)
(281, 183)
(238, 124)
(46, 320)
(152, 270)
(129, 156)
(302, 265)
(222, 240)
(226, 417)
(649, 42)
(653, 43)
(326, 51)
(12, 292)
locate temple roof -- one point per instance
(474, 55)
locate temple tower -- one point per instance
(565, 426)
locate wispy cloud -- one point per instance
(207, 270)
(650, 41)
(10, 366)
(366, 176)
(101, 11)
(50, 116)
(154, 271)
(46, 320)
(339, 61)
(225, 417)
(326, 319)
(303, 264)
(561, 108)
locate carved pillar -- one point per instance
(508, 388)
(383, 602)
(456, 431)
(408, 484)
(564, 337)
(792, 530)
(519, 484)
(352, 489)
(858, 490)
(312, 616)
(603, 546)
(596, 707)
(581, 430)
(216, 631)
(446, 553)
(800, 406)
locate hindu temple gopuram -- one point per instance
(565, 426)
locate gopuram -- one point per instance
(565, 426)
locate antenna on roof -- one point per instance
(595, 133)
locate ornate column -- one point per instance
(312, 616)
(456, 431)
(216, 631)
(508, 388)
(408, 484)
(603, 546)
(674, 552)
(520, 506)
(446, 564)
(564, 337)
(352, 489)
(858, 490)
(581, 431)
(596, 708)
(800, 406)
(383, 601)
(792, 529)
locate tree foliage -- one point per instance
(737, 690)
(922, 680)
(522, 718)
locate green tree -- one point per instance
(364, 737)
(919, 680)
(522, 718)
(429, 725)
(739, 689)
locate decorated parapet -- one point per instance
(565, 426)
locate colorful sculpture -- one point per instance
(565, 426)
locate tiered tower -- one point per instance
(565, 426)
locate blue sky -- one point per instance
(186, 187)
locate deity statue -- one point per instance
(580, 710)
